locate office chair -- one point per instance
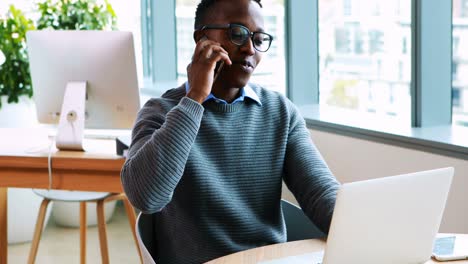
(82, 197)
(145, 236)
(298, 227)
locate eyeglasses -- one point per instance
(239, 35)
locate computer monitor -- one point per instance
(90, 76)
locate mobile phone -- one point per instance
(218, 68)
(445, 249)
(219, 64)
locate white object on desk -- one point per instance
(447, 249)
(388, 220)
(104, 59)
(72, 117)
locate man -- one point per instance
(208, 158)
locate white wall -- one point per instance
(352, 159)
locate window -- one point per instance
(185, 18)
(129, 19)
(364, 58)
(347, 7)
(342, 40)
(460, 63)
(270, 72)
(24, 5)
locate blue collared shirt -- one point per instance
(247, 91)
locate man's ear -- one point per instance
(197, 35)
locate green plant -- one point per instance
(14, 73)
(76, 15)
(15, 78)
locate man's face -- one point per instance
(244, 58)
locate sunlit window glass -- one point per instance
(270, 73)
(129, 19)
(365, 56)
(460, 63)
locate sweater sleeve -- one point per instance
(160, 148)
(308, 176)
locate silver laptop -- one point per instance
(388, 220)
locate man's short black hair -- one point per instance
(204, 5)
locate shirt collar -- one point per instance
(246, 91)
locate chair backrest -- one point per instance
(145, 236)
(298, 225)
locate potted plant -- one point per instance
(14, 72)
(76, 15)
(15, 86)
(15, 81)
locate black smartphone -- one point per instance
(219, 64)
(218, 68)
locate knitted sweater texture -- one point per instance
(212, 174)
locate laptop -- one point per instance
(390, 220)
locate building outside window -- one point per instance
(363, 54)
(460, 63)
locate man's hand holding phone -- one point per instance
(207, 57)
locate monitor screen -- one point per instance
(104, 60)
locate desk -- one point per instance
(24, 164)
(288, 249)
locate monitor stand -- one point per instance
(72, 117)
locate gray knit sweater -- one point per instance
(212, 173)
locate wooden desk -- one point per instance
(283, 250)
(24, 164)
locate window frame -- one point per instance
(302, 59)
(431, 127)
(431, 30)
(158, 19)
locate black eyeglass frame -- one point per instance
(230, 26)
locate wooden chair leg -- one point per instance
(132, 221)
(83, 225)
(3, 225)
(38, 231)
(102, 232)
